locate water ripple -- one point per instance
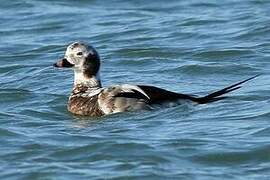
(185, 46)
(230, 158)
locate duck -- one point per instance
(90, 98)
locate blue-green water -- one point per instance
(186, 46)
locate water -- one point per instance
(185, 46)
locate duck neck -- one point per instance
(93, 81)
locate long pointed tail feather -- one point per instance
(215, 96)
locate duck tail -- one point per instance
(215, 96)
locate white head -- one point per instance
(85, 61)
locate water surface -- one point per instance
(185, 46)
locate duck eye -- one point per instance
(79, 53)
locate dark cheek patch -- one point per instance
(91, 64)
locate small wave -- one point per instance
(220, 54)
(254, 32)
(195, 22)
(13, 95)
(196, 69)
(6, 132)
(238, 157)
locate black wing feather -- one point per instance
(158, 95)
(133, 94)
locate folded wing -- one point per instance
(155, 95)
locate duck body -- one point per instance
(101, 101)
(89, 98)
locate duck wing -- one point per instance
(155, 95)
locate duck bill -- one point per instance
(63, 63)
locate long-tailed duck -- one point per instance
(89, 98)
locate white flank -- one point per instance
(103, 107)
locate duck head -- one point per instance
(85, 62)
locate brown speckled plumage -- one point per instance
(81, 104)
(86, 106)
